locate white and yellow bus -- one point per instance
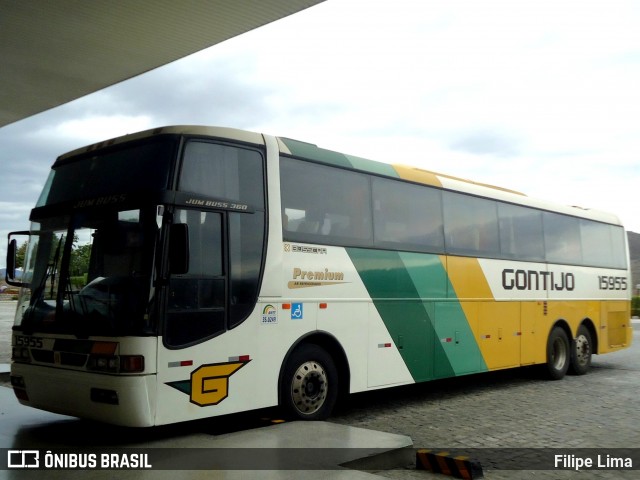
(189, 272)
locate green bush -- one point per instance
(79, 281)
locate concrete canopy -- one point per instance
(52, 52)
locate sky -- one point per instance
(539, 96)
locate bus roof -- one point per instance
(217, 132)
(314, 153)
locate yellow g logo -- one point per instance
(210, 383)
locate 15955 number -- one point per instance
(607, 282)
(34, 342)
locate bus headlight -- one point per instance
(20, 354)
(116, 363)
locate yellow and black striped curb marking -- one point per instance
(441, 462)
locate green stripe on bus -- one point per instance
(409, 290)
(312, 152)
(370, 166)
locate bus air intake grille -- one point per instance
(44, 356)
(73, 359)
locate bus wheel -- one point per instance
(581, 352)
(558, 354)
(310, 384)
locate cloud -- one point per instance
(487, 142)
(220, 91)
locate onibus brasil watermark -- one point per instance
(36, 459)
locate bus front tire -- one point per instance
(558, 354)
(310, 384)
(581, 352)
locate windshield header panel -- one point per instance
(110, 177)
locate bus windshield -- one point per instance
(89, 274)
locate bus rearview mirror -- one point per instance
(179, 249)
(11, 276)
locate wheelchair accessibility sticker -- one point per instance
(296, 311)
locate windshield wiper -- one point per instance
(52, 267)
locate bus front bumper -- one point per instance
(115, 399)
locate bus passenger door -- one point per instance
(195, 311)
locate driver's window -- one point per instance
(196, 303)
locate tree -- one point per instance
(80, 260)
(21, 252)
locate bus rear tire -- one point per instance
(581, 352)
(309, 388)
(558, 354)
